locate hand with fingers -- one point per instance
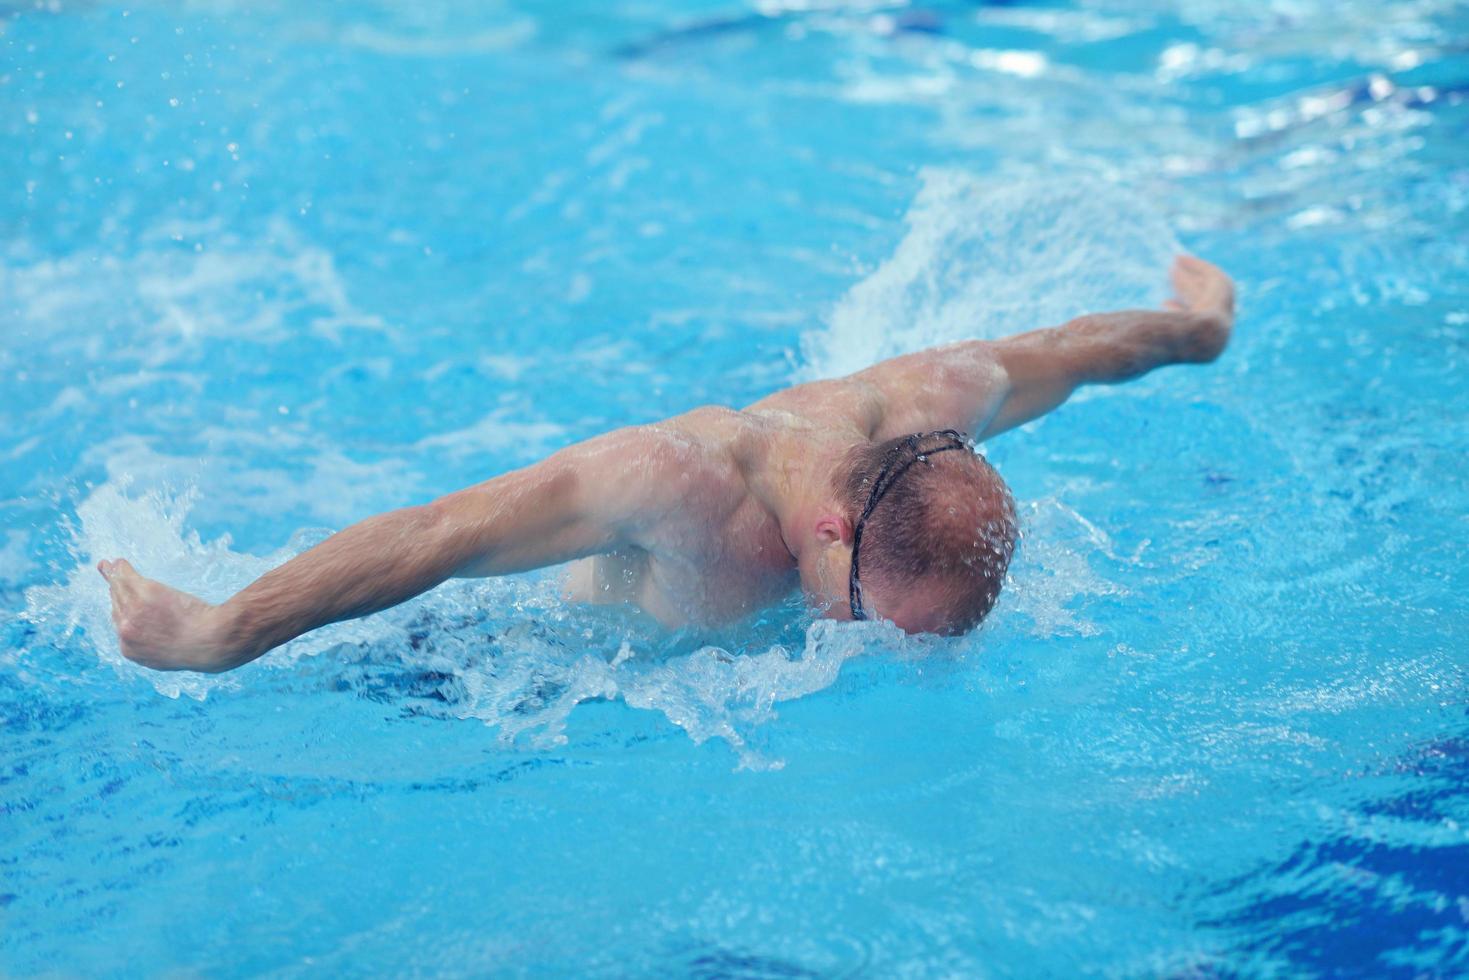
(1200, 287)
(160, 627)
(1206, 293)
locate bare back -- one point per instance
(701, 519)
(715, 556)
(719, 556)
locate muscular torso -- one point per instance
(719, 555)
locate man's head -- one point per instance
(923, 529)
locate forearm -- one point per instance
(990, 386)
(370, 566)
(1044, 367)
(583, 500)
(1110, 348)
(523, 520)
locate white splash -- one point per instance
(1052, 574)
(978, 260)
(149, 531)
(982, 259)
(515, 655)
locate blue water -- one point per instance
(268, 268)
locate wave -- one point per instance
(985, 258)
(506, 651)
(510, 652)
(975, 261)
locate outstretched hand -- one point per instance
(160, 627)
(1200, 287)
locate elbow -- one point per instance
(436, 514)
(446, 528)
(463, 534)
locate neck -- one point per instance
(792, 472)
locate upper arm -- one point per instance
(983, 387)
(957, 386)
(988, 386)
(583, 500)
(1043, 368)
(1046, 366)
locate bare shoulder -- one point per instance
(850, 402)
(958, 386)
(636, 477)
(966, 362)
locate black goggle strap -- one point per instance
(886, 478)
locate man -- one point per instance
(862, 491)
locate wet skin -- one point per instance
(700, 519)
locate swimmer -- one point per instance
(865, 492)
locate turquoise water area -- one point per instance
(267, 268)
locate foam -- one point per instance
(149, 531)
(509, 651)
(1052, 575)
(976, 259)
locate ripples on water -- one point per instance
(266, 271)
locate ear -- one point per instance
(832, 527)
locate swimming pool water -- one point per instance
(267, 268)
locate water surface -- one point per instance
(268, 268)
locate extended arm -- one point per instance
(580, 501)
(988, 386)
(1044, 367)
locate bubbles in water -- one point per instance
(1051, 574)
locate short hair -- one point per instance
(948, 521)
